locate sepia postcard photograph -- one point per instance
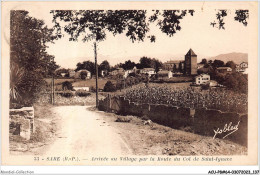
(129, 83)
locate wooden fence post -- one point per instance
(109, 107)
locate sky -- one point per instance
(196, 33)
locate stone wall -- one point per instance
(21, 122)
(201, 120)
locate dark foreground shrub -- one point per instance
(145, 117)
(82, 93)
(205, 86)
(123, 119)
(66, 85)
(109, 87)
(92, 89)
(67, 94)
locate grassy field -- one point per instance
(58, 81)
(79, 82)
(102, 82)
(91, 82)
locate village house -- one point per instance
(172, 64)
(224, 70)
(104, 73)
(127, 72)
(135, 70)
(71, 73)
(63, 74)
(164, 74)
(200, 65)
(242, 67)
(85, 88)
(117, 71)
(202, 79)
(213, 83)
(78, 74)
(149, 71)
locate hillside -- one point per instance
(235, 57)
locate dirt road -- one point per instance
(83, 132)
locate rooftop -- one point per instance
(202, 75)
(173, 62)
(191, 53)
(148, 68)
(85, 70)
(163, 72)
(223, 68)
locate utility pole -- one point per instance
(95, 51)
(52, 87)
(124, 82)
(53, 90)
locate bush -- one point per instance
(123, 119)
(145, 117)
(66, 85)
(132, 74)
(83, 75)
(67, 94)
(92, 89)
(205, 86)
(16, 105)
(237, 82)
(109, 87)
(82, 93)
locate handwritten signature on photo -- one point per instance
(226, 129)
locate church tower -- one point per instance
(190, 66)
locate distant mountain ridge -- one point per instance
(234, 56)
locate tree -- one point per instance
(128, 65)
(170, 21)
(204, 61)
(241, 16)
(156, 64)
(83, 75)
(206, 65)
(28, 38)
(232, 65)
(218, 63)
(236, 82)
(120, 84)
(104, 66)
(139, 66)
(86, 65)
(109, 87)
(66, 85)
(60, 71)
(145, 62)
(50, 67)
(180, 67)
(174, 68)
